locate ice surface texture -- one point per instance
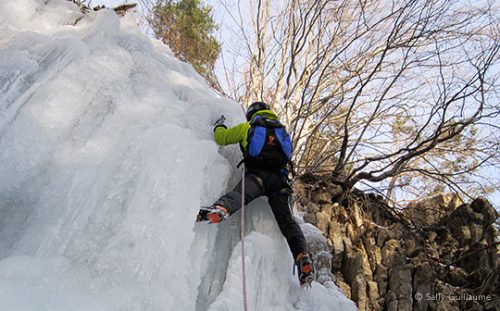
(106, 153)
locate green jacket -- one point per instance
(239, 133)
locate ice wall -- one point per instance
(106, 153)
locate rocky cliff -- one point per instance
(436, 254)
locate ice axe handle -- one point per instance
(220, 121)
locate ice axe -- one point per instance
(220, 122)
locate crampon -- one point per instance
(212, 214)
(305, 268)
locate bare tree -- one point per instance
(399, 93)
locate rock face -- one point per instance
(436, 254)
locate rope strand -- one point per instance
(242, 237)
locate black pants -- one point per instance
(275, 186)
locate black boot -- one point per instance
(305, 268)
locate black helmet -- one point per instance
(254, 107)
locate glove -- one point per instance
(220, 123)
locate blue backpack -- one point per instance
(269, 145)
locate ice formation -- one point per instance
(106, 153)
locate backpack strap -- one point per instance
(258, 141)
(280, 133)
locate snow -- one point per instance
(106, 153)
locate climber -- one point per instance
(267, 150)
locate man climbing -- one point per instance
(267, 149)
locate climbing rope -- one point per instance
(242, 237)
(242, 233)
